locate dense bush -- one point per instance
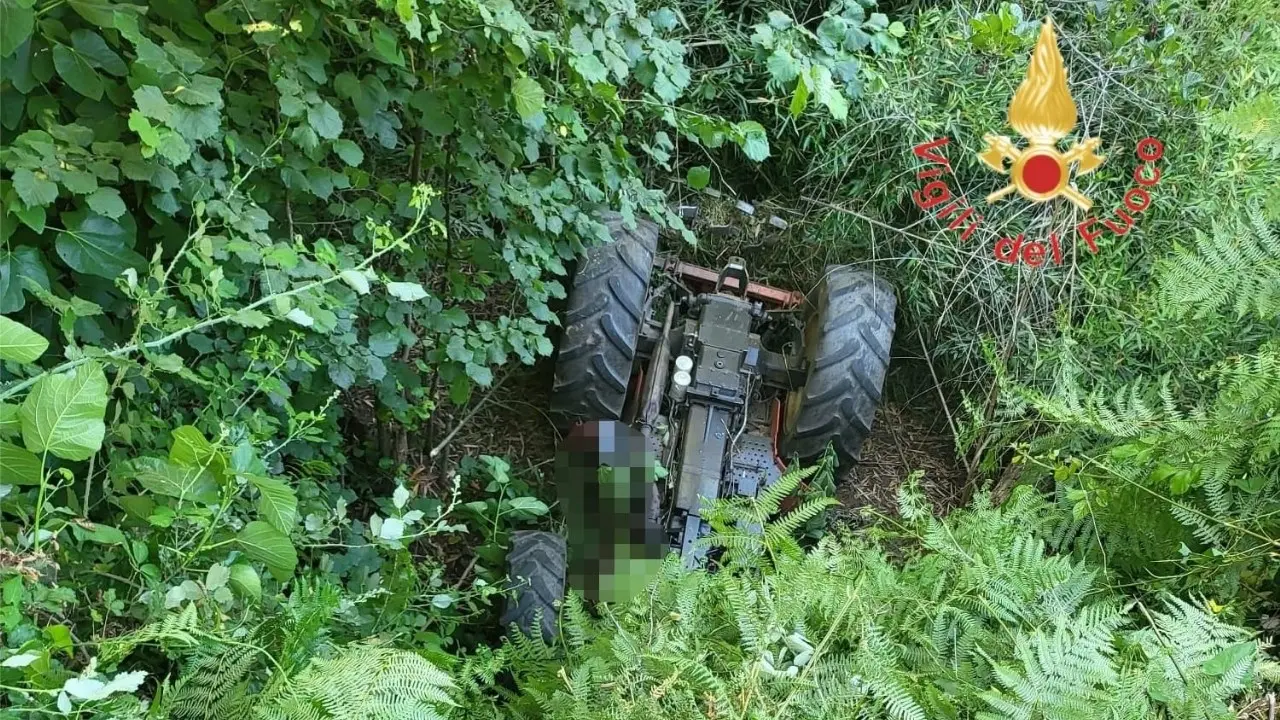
(971, 618)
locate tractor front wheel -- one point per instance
(848, 333)
(536, 568)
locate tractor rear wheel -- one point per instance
(602, 324)
(848, 333)
(536, 568)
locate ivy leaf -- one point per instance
(407, 291)
(325, 120)
(277, 503)
(698, 176)
(34, 188)
(19, 342)
(163, 477)
(528, 96)
(269, 546)
(16, 24)
(77, 72)
(106, 201)
(97, 246)
(63, 413)
(19, 466)
(350, 153)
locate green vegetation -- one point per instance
(252, 252)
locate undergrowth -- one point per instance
(230, 230)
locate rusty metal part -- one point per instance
(656, 379)
(755, 291)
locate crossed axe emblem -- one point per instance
(1041, 172)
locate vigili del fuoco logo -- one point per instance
(1043, 113)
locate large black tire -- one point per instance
(848, 333)
(602, 325)
(536, 568)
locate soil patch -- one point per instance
(904, 439)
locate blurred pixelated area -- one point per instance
(606, 481)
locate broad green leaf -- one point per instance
(698, 176)
(753, 140)
(382, 344)
(76, 71)
(98, 12)
(325, 120)
(21, 660)
(277, 503)
(97, 245)
(216, 576)
(385, 47)
(245, 581)
(897, 29)
(95, 51)
(16, 22)
(19, 342)
(529, 506)
(300, 316)
(188, 484)
(262, 542)
(356, 280)
(251, 318)
(407, 291)
(9, 420)
(33, 217)
(800, 99)
(350, 152)
(152, 103)
(826, 92)
(18, 466)
(528, 97)
(783, 68)
(102, 534)
(148, 134)
(1230, 657)
(20, 267)
(106, 201)
(391, 529)
(34, 188)
(63, 413)
(191, 449)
